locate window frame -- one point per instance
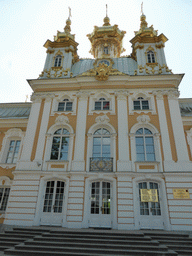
(151, 58)
(144, 137)
(58, 60)
(12, 134)
(106, 50)
(141, 100)
(65, 102)
(4, 187)
(61, 136)
(143, 166)
(147, 96)
(14, 151)
(102, 101)
(102, 136)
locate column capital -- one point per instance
(159, 94)
(172, 95)
(122, 94)
(83, 95)
(36, 98)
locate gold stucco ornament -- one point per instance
(102, 72)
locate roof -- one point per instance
(185, 107)
(125, 65)
(15, 110)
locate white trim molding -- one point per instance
(96, 97)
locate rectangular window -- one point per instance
(13, 151)
(65, 106)
(4, 195)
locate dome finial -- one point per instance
(67, 28)
(106, 19)
(142, 9)
(143, 18)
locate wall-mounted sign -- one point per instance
(149, 195)
(181, 193)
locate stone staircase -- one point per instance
(88, 242)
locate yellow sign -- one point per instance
(149, 195)
(181, 193)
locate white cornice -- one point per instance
(14, 122)
(151, 81)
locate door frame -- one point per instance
(162, 192)
(87, 204)
(40, 199)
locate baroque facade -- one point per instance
(104, 142)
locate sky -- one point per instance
(25, 25)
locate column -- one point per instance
(30, 132)
(78, 163)
(177, 124)
(43, 129)
(123, 163)
(163, 126)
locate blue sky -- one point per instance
(27, 24)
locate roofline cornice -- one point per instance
(126, 81)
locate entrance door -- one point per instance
(100, 212)
(53, 203)
(150, 212)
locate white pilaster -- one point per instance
(123, 163)
(43, 129)
(31, 129)
(181, 146)
(79, 158)
(163, 126)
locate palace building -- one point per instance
(105, 142)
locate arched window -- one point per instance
(106, 50)
(65, 105)
(150, 57)
(140, 103)
(101, 143)
(102, 104)
(144, 145)
(60, 145)
(58, 59)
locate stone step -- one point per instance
(165, 234)
(95, 236)
(32, 229)
(25, 236)
(171, 238)
(151, 246)
(103, 233)
(177, 242)
(34, 233)
(101, 241)
(79, 253)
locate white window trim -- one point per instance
(90, 135)
(11, 134)
(56, 100)
(96, 97)
(156, 137)
(49, 138)
(145, 96)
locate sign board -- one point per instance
(149, 195)
(181, 193)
